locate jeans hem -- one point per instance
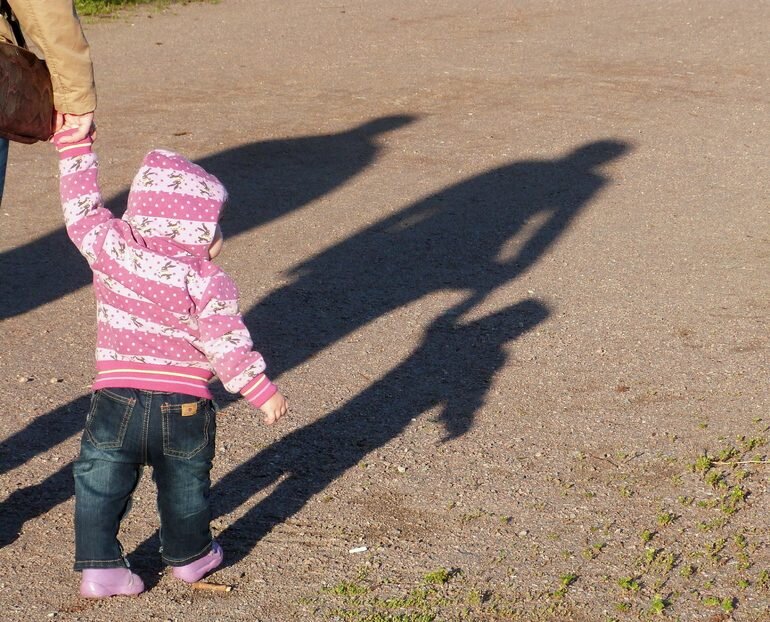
(188, 560)
(93, 563)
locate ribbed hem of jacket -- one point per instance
(166, 378)
(259, 390)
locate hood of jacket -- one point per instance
(174, 205)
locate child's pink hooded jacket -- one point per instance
(167, 317)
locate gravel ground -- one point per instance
(509, 261)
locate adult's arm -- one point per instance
(53, 26)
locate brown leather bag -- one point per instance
(26, 94)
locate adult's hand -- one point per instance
(83, 124)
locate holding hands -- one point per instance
(82, 125)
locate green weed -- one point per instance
(107, 7)
(703, 464)
(687, 570)
(658, 604)
(347, 590)
(666, 518)
(630, 584)
(564, 582)
(623, 607)
(438, 577)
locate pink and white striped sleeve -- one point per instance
(226, 342)
(86, 218)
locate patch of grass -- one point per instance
(664, 562)
(715, 479)
(727, 454)
(749, 444)
(650, 553)
(730, 502)
(647, 536)
(471, 516)
(564, 582)
(713, 549)
(726, 604)
(107, 7)
(347, 590)
(666, 518)
(418, 598)
(624, 607)
(703, 464)
(630, 584)
(740, 541)
(658, 604)
(439, 577)
(687, 570)
(475, 597)
(711, 525)
(763, 580)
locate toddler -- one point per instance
(167, 322)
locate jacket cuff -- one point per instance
(259, 390)
(71, 150)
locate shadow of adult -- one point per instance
(455, 239)
(265, 180)
(450, 369)
(29, 502)
(43, 433)
(39, 436)
(262, 181)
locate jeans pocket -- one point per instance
(108, 419)
(187, 426)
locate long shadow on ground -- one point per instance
(265, 180)
(465, 238)
(452, 368)
(473, 237)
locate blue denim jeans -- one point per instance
(127, 429)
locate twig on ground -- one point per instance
(728, 462)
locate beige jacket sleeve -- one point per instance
(53, 26)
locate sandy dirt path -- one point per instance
(508, 259)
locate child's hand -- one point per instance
(274, 408)
(68, 149)
(82, 126)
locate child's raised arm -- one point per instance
(85, 216)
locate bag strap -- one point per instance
(7, 12)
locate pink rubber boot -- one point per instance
(195, 571)
(103, 582)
